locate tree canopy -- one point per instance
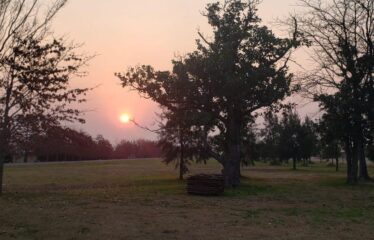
(243, 69)
(341, 34)
(35, 74)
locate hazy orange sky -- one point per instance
(130, 32)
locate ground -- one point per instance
(142, 199)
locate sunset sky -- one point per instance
(124, 33)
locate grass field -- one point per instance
(141, 199)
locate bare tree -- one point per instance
(35, 70)
(341, 34)
(26, 18)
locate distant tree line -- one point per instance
(287, 138)
(137, 149)
(283, 136)
(66, 144)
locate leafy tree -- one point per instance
(125, 149)
(147, 149)
(291, 137)
(243, 69)
(370, 153)
(250, 152)
(174, 143)
(104, 149)
(331, 135)
(66, 144)
(137, 149)
(271, 137)
(308, 140)
(35, 71)
(180, 140)
(342, 33)
(288, 137)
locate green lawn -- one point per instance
(141, 199)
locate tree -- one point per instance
(250, 149)
(147, 149)
(243, 69)
(342, 33)
(104, 149)
(65, 144)
(179, 140)
(308, 140)
(137, 149)
(371, 152)
(291, 137)
(288, 137)
(35, 72)
(331, 134)
(125, 149)
(173, 144)
(271, 137)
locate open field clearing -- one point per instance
(141, 199)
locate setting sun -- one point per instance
(125, 118)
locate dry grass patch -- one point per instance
(141, 199)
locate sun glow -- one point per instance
(124, 118)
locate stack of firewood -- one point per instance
(204, 184)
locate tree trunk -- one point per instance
(337, 152)
(351, 162)
(348, 158)
(2, 161)
(294, 163)
(181, 165)
(231, 166)
(363, 171)
(181, 170)
(181, 160)
(4, 152)
(25, 157)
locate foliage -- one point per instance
(66, 144)
(288, 138)
(308, 140)
(179, 140)
(271, 137)
(331, 133)
(104, 148)
(249, 148)
(342, 33)
(242, 70)
(137, 149)
(370, 152)
(35, 72)
(291, 137)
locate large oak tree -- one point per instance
(243, 68)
